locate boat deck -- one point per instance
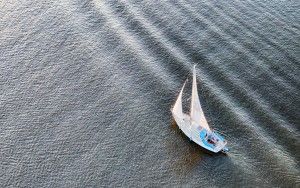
(198, 135)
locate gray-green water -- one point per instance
(86, 89)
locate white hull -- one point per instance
(195, 125)
(192, 131)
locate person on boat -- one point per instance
(210, 139)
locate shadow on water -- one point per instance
(195, 154)
(188, 158)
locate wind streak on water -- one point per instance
(87, 87)
(187, 35)
(256, 23)
(226, 72)
(287, 15)
(231, 17)
(258, 103)
(253, 96)
(237, 45)
(268, 139)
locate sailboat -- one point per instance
(195, 125)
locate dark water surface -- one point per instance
(86, 89)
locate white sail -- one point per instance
(196, 111)
(177, 109)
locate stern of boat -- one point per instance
(225, 150)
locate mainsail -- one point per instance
(177, 109)
(196, 112)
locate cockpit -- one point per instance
(212, 139)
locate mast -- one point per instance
(196, 112)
